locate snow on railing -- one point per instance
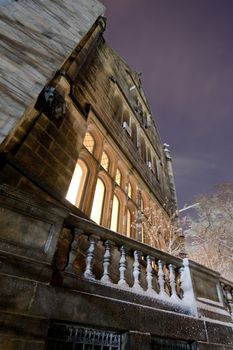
(108, 258)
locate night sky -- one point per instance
(184, 49)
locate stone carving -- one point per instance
(51, 103)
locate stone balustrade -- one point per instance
(99, 255)
(227, 290)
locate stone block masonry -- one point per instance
(36, 37)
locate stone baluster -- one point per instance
(122, 267)
(172, 281)
(106, 263)
(136, 271)
(231, 303)
(73, 250)
(149, 276)
(228, 292)
(187, 287)
(90, 256)
(162, 292)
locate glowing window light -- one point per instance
(115, 214)
(77, 183)
(89, 142)
(128, 223)
(118, 177)
(129, 190)
(104, 161)
(97, 206)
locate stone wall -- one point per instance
(36, 38)
(33, 293)
(104, 74)
(46, 147)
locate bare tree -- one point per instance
(160, 230)
(209, 237)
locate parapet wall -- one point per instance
(36, 290)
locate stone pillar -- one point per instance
(138, 214)
(170, 172)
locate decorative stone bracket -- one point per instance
(51, 103)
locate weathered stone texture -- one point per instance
(47, 152)
(220, 333)
(29, 228)
(36, 37)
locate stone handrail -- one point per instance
(227, 289)
(102, 256)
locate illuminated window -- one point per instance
(77, 183)
(129, 190)
(89, 142)
(128, 223)
(115, 214)
(98, 202)
(105, 161)
(118, 177)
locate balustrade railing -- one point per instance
(108, 258)
(227, 290)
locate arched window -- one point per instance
(97, 206)
(105, 161)
(77, 183)
(129, 190)
(128, 223)
(115, 213)
(118, 177)
(89, 142)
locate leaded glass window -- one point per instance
(118, 177)
(105, 161)
(89, 142)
